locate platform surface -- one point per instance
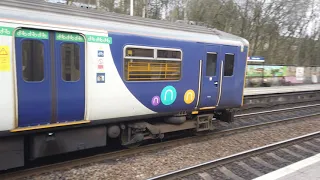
(307, 169)
(280, 89)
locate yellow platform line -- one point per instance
(49, 126)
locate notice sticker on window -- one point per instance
(100, 77)
(100, 53)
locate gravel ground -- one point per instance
(154, 163)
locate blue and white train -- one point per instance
(73, 78)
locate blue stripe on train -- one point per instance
(145, 92)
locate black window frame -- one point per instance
(216, 63)
(225, 65)
(77, 65)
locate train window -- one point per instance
(70, 62)
(146, 70)
(140, 52)
(169, 54)
(165, 65)
(211, 64)
(229, 64)
(32, 60)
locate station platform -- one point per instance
(280, 89)
(307, 169)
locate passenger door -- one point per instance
(50, 77)
(210, 85)
(70, 77)
(34, 84)
(231, 85)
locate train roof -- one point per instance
(59, 14)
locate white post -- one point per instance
(144, 9)
(98, 4)
(131, 7)
(185, 17)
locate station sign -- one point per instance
(256, 59)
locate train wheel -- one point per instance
(132, 142)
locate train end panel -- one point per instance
(7, 103)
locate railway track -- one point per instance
(253, 163)
(270, 116)
(244, 110)
(244, 122)
(276, 99)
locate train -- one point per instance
(74, 79)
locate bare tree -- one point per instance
(284, 31)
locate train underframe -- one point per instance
(17, 151)
(136, 132)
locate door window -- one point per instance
(211, 64)
(32, 60)
(229, 65)
(70, 60)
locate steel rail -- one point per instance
(276, 110)
(126, 152)
(289, 97)
(214, 163)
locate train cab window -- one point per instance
(229, 64)
(211, 64)
(152, 64)
(32, 60)
(70, 60)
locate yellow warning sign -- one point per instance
(3, 51)
(4, 58)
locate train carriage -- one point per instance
(76, 77)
